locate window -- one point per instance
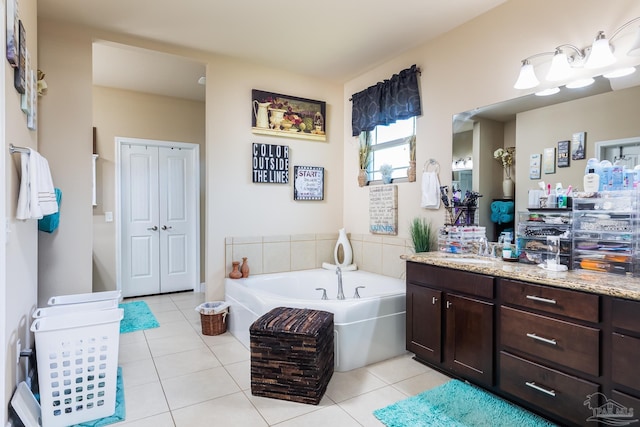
(390, 144)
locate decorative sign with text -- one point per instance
(308, 183)
(383, 209)
(270, 163)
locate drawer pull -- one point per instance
(535, 386)
(545, 340)
(434, 300)
(540, 299)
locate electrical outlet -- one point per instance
(18, 350)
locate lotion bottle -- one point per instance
(591, 181)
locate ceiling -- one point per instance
(334, 40)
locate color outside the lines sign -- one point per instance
(270, 163)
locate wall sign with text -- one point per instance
(270, 163)
(383, 209)
(308, 183)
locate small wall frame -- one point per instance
(308, 183)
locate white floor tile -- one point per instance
(241, 373)
(185, 362)
(160, 420)
(164, 317)
(333, 416)
(345, 385)
(198, 387)
(131, 337)
(361, 407)
(139, 372)
(175, 344)
(144, 400)
(179, 327)
(230, 352)
(233, 410)
(422, 382)
(397, 369)
(275, 410)
(137, 350)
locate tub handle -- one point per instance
(324, 293)
(357, 295)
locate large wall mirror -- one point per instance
(606, 111)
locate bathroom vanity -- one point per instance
(545, 340)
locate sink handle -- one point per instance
(324, 293)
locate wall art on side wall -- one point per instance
(563, 154)
(270, 163)
(549, 160)
(20, 72)
(579, 146)
(288, 116)
(308, 183)
(383, 209)
(535, 163)
(12, 32)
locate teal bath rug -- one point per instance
(119, 415)
(137, 316)
(457, 404)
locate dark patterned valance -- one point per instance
(382, 104)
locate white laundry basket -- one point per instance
(84, 298)
(77, 356)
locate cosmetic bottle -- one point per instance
(591, 181)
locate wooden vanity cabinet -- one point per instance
(450, 320)
(625, 352)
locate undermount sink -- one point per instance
(463, 260)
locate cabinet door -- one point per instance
(424, 322)
(469, 337)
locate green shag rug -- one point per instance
(457, 404)
(137, 316)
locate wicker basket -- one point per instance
(214, 324)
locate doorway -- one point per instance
(158, 245)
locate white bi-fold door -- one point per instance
(159, 217)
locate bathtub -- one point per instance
(366, 330)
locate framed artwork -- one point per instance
(549, 160)
(383, 209)
(288, 116)
(20, 72)
(535, 162)
(563, 154)
(579, 146)
(12, 32)
(308, 183)
(270, 163)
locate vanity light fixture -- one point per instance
(576, 84)
(598, 55)
(547, 92)
(620, 72)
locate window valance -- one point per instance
(397, 98)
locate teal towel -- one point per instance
(506, 208)
(49, 223)
(495, 207)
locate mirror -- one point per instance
(532, 124)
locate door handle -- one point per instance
(164, 227)
(449, 304)
(154, 228)
(434, 300)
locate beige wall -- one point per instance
(123, 113)
(471, 66)
(612, 115)
(19, 281)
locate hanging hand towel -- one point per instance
(37, 196)
(430, 190)
(50, 222)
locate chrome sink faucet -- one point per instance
(340, 291)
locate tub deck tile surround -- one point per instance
(621, 286)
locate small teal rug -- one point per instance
(137, 316)
(119, 415)
(457, 404)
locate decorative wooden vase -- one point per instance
(244, 268)
(235, 273)
(362, 178)
(411, 171)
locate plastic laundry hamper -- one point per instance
(77, 356)
(84, 298)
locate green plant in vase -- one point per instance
(422, 234)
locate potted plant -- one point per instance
(422, 235)
(386, 169)
(364, 158)
(411, 170)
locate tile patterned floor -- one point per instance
(176, 377)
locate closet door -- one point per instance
(178, 217)
(140, 231)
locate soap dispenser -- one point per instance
(591, 181)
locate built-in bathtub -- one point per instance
(367, 329)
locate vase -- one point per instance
(507, 188)
(235, 273)
(411, 171)
(347, 252)
(362, 178)
(261, 114)
(386, 179)
(244, 268)
(277, 116)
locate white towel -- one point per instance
(430, 190)
(37, 195)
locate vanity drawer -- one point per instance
(551, 390)
(451, 280)
(626, 315)
(625, 351)
(568, 344)
(577, 305)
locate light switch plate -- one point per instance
(108, 217)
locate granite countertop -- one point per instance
(622, 286)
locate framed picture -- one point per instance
(578, 146)
(308, 183)
(563, 154)
(270, 163)
(12, 32)
(383, 210)
(549, 160)
(288, 116)
(535, 161)
(20, 72)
